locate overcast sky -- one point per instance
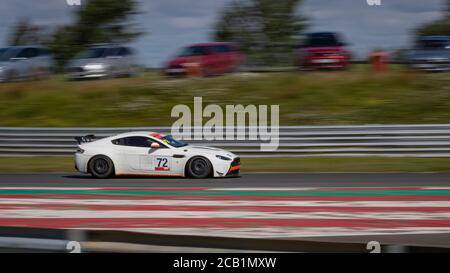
(171, 24)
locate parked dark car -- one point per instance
(210, 59)
(431, 53)
(322, 50)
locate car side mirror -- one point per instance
(155, 145)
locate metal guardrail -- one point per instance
(294, 141)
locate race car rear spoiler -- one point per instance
(85, 139)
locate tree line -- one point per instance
(265, 30)
(438, 27)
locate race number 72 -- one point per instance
(162, 164)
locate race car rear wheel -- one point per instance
(101, 167)
(199, 167)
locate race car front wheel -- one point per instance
(101, 167)
(199, 167)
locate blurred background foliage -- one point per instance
(266, 30)
(438, 27)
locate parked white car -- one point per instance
(106, 61)
(25, 62)
(153, 154)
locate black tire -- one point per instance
(199, 168)
(101, 167)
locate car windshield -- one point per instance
(433, 44)
(173, 142)
(316, 40)
(92, 53)
(193, 51)
(8, 53)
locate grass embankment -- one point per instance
(351, 97)
(312, 164)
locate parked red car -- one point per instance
(323, 50)
(208, 59)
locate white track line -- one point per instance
(238, 214)
(225, 203)
(275, 232)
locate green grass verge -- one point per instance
(351, 97)
(36, 164)
(309, 164)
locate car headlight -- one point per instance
(223, 157)
(94, 67)
(80, 151)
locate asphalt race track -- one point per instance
(272, 180)
(393, 208)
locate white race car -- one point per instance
(148, 153)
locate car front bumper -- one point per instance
(224, 168)
(82, 73)
(329, 62)
(175, 71)
(235, 167)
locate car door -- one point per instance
(43, 60)
(131, 149)
(228, 58)
(113, 60)
(33, 62)
(209, 62)
(23, 63)
(159, 161)
(120, 61)
(140, 157)
(216, 59)
(125, 62)
(229, 61)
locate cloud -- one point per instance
(189, 22)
